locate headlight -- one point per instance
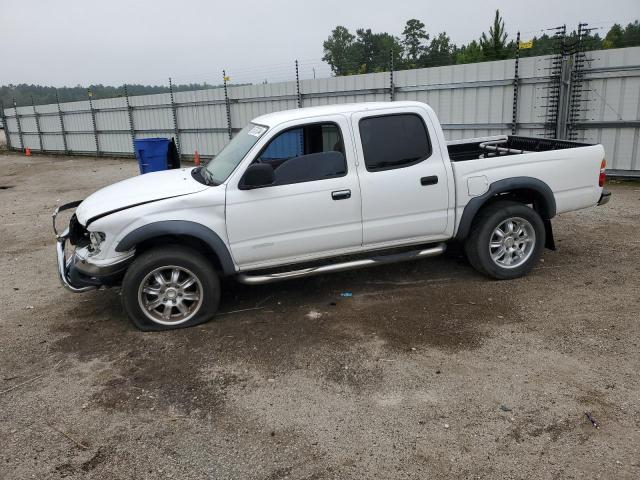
(96, 239)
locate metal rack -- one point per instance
(577, 90)
(552, 107)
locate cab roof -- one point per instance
(276, 118)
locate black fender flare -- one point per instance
(180, 227)
(547, 201)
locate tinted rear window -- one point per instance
(394, 141)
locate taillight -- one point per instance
(603, 173)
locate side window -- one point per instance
(394, 141)
(287, 145)
(305, 154)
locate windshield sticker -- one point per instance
(257, 131)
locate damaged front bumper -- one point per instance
(65, 267)
(76, 273)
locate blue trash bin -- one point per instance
(152, 154)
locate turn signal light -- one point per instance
(603, 173)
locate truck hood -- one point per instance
(138, 190)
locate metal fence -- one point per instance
(501, 97)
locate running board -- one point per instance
(339, 267)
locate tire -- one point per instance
(191, 296)
(498, 257)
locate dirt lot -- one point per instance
(428, 371)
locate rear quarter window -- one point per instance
(394, 141)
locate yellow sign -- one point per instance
(524, 45)
(226, 79)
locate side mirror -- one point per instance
(257, 175)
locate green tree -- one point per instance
(366, 49)
(471, 53)
(631, 35)
(441, 51)
(338, 51)
(414, 40)
(386, 45)
(543, 45)
(614, 37)
(593, 42)
(494, 45)
(371, 51)
(620, 37)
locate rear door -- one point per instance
(312, 210)
(403, 177)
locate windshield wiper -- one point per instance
(201, 175)
(208, 178)
(197, 174)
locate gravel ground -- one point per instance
(428, 371)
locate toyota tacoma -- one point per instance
(317, 190)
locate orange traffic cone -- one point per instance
(196, 159)
(27, 152)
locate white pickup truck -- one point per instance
(323, 189)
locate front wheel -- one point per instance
(170, 287)
(506, 240)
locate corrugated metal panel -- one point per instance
(471, 100)
(15, 140)
(112, 118)
(53, 142)
(11, 129)
(614, 96)
(81, 142)
(49, 123)
(115, 142)
(50, 128)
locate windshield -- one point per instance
(228, 159)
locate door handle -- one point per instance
(341, 194)
(430, 180)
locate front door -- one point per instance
(404, 182)
(312, 209)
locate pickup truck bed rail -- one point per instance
(476, 148)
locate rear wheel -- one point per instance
(506, 240)
(170, 287)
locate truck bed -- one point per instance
(503, 145)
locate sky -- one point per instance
(70, 42)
